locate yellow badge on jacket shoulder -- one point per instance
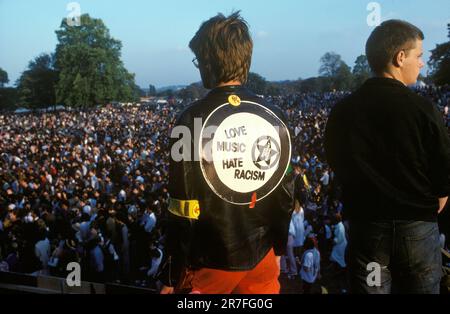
(234, 100)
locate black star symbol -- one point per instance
(266, 152)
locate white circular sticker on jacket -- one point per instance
(244, 160)
(246, 157)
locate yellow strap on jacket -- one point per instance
(185, 208)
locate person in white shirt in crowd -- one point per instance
(338, 252)
(325, 179)
(308, 228)
(84, 228)
(148, 220)
(54, 259)
(97, 258)
(122, 197)
(328, 237)
(139, 178)
(94, 181)
(340, 243)
(156, 261)
(288, 262)
(297, 130)
(156, 257)
(298, 220)
(310, 265)
(42, 251)
(296, 239)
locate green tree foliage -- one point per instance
(316, 84)
(8, 95)
(440, 62)
(284, 87)
(256, 83)
(193, 91)
(344, 78)
(166, 93)
(151, 90)
(90, 69)
(3, 78)
(8, 98)
(36, 85)
(361, 71)
(332, 66)
(273, 89)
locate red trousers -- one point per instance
(263, 279)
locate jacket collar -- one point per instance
(384, 81)
(227, 89)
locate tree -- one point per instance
(3, 78)
(440, 62)
(344, 78)
(89, 65)
(128, 90)
(36, 85)
(290, 87)
(333, 67)
(273, 89)
(8, 95)
(316, 84)
(151, 90)
(8, 98)
(361, 71)
(166, 93)
(256, 83)
(330, 64)
(143, 92)
(193, 91)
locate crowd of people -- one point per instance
(87, 187)
(92, 186)
(317, 234)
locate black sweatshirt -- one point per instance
(390, 150)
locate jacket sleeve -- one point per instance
(281, 220)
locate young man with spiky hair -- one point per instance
(228, 216)
(389, 148)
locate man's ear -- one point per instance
(399, 58)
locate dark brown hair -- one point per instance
(387, 40)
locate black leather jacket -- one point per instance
(224, 236)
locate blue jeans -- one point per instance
(407, 253)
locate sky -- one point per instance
(289, 36)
